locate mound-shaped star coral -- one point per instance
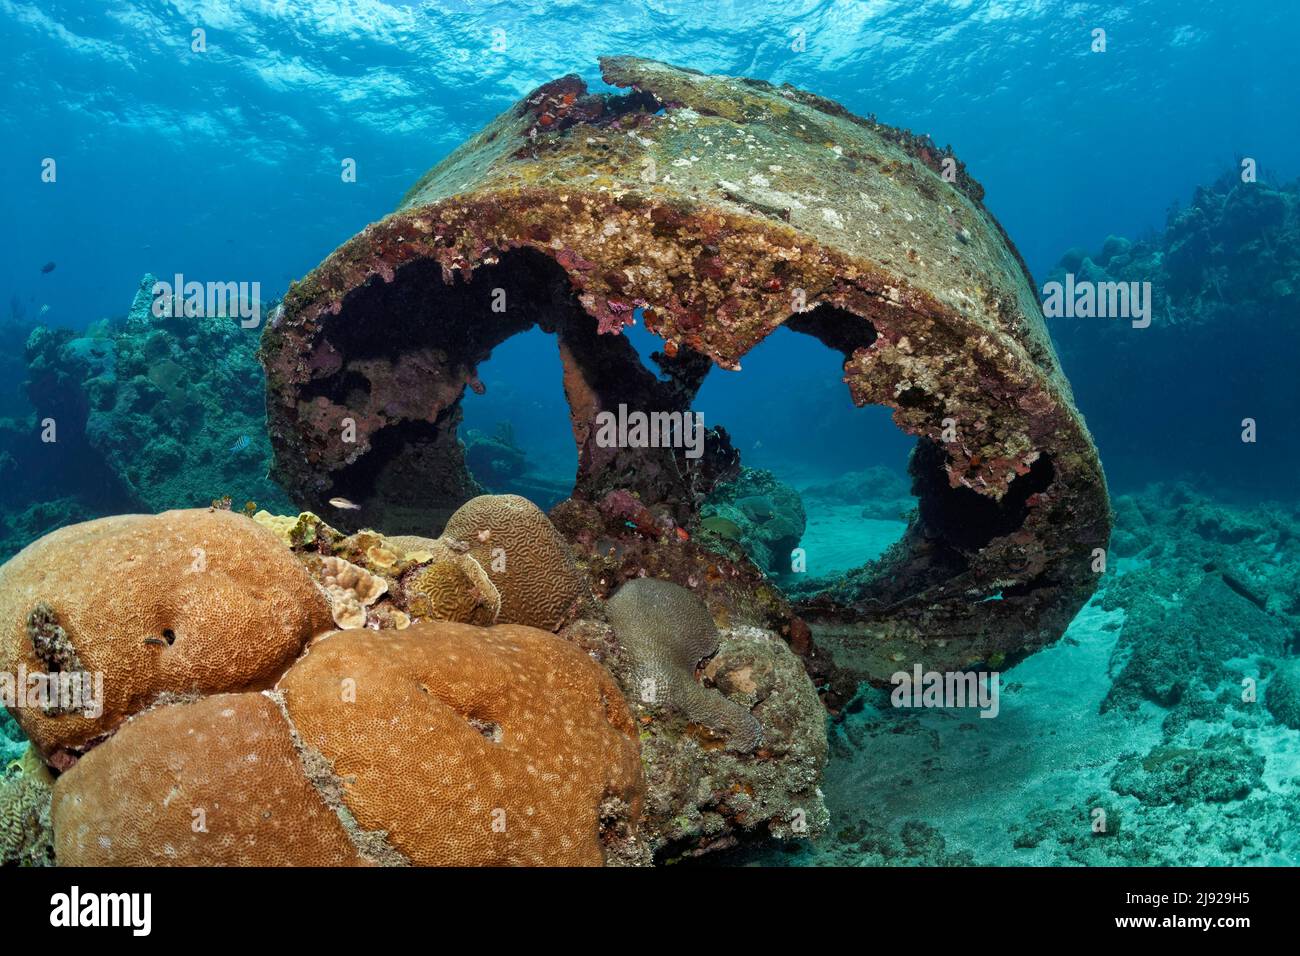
(668, 631)
(524, 556)
(472, 746)
(185, 601)
(217, 782)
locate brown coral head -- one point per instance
(525, 559)
(453, 587)
(471, 746)
(180, 602)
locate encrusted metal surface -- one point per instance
(724, 208)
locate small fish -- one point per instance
(47, 268)
(45, 308)
(344, 505)
(683, 535)
(243, 442)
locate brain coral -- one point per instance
(471, 746)
(216, 782)
(524, 556)
(24, 819)
(667, 631)
(453, 587)
(185, 601)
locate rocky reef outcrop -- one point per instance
(148, 413)
(1224, 289)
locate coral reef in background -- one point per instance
(879, 492)
(1225, 284)
(14, 330)
(176, 415)
(1160, 731)
(151, 413)
(1283, 696)
(500, 464)
(494, 459)
(761, 514)
(1205, 607)
(49, 473)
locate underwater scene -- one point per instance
(835, 433)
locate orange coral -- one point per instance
(471, 746)
(217, 782)
(445, 745)
(185, 601)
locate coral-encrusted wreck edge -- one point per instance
(724, 208)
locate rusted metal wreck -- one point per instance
(724, 208)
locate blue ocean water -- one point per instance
(1126, 162)
(227, 162)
